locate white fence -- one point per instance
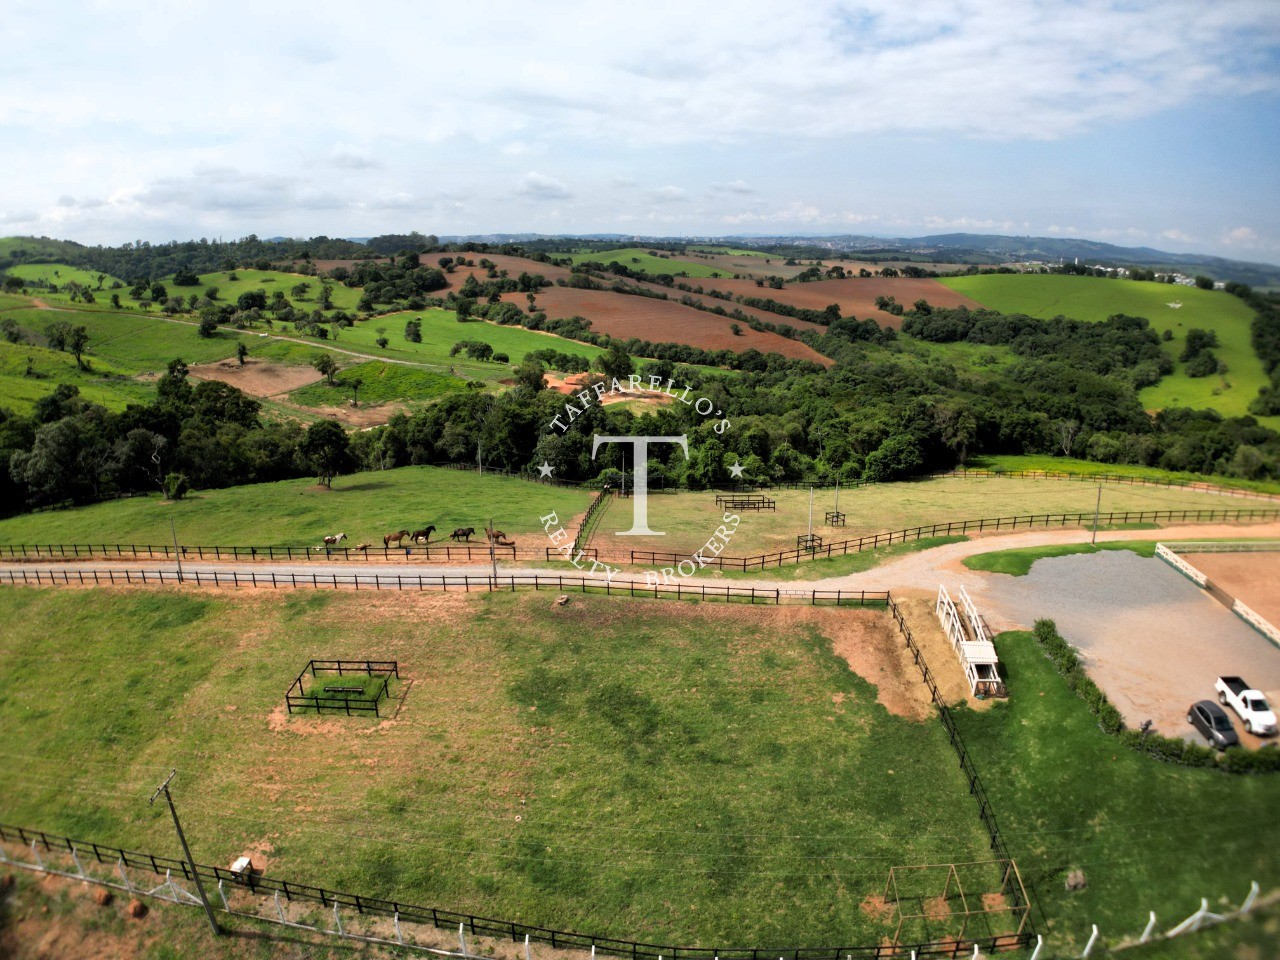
(1184, 568)
(1257, 621)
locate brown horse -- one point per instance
(424, 534)
(499, 538)
(395, 538)
(462, 533)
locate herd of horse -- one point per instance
(396, 537)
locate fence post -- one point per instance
(337, 920)
(223, 894)
(1151, 925)
(527, 954)
(462, 938)
(1093, 938)
(279, 908)
(123, 876)
(1253, 895)
(1035, 954)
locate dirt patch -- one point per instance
(1252, 578)
(856, 296)
(663, 321)
(917, 610)
(257, 378)
(876, 907)
(574, 382)
(363, 416)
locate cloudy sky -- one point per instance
(1139, 123)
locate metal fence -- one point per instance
(120, 859)
(347, 704)
(952, 528)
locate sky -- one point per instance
(1131, 122)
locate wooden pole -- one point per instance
(186, 851)
(1097, 509)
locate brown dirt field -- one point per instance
(513, 265)
(856, 296)
(662, 321)
(1253, 578)
(710, 301)
(258, 378)
(917, 609)
(365, 415)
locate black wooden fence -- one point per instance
(331, 702)
(484, 926)
(462, 553)
(952, 528)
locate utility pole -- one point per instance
(1096, 510)
(177, 554)
(186, 851)
(811, 516)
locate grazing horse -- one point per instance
(462, 533)
(423, 534)
(395, 538)
(334, 541)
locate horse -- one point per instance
(423, 534)
(395, 538)
(462, 533)
(335, 540)
(499, 538)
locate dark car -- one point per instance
(1213, 723)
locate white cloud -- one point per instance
(670, 194)
(537, 186)
(733, 186)
(1241, 237)
(1177, 236)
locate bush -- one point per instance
(1169, 749)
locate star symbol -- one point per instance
(736, 470)
(545, 469)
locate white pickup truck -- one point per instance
(1252, 706)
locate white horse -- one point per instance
(334, 541)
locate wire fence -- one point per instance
(952, 528)
(450, 552)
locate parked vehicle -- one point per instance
(1213, 724)
(1251, 705)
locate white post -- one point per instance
(337, 920)
(1093, 938)
(837, 496)
(975, 952)
(76, 858)
(462, 939)
(399, 935)
(1035, 954)
(280, 909)
(1151, 925)
(36, 853)
(223, 894)
(527, 954)
(810, 529)
(123, 876)
(1248, 901)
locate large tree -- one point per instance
(327, 449)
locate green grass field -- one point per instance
(298, 512)
(104, 383)
(380, 383)
(1094, 298)
(1089, 468)
(689, 518)
(639, 258)
(688, 773)
(441, 330)
(344, 298)
(1148, 835)
(61, 273)
(1019, 561)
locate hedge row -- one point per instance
(1170, 749)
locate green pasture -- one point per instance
(1148, 835)
(736, 252)
(364, 506)
(103, 383)
(344, 298)
(61, 273)
(133, 342)
(441, 330)
(1089, 468)
(39, 246)
(689, 518)
(1094, 298)
(639, 258)
(379, 383)
(698, 773)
